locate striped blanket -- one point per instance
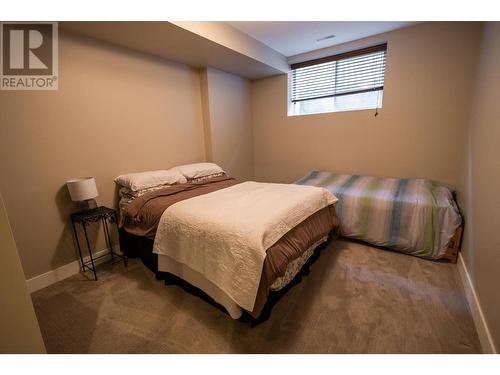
(415, 216)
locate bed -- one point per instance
(235, 241)
(415, 216)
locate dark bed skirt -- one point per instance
(141, 247)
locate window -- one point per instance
(344, 82)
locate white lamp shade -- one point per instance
(82, 188)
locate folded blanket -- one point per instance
(141, 215)
(224, 235)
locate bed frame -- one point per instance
(454, 245)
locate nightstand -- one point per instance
(84, 218)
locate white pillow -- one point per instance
(196, 170)
(145, 180)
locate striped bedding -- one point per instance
(415, 216)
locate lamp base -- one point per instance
(88, 204)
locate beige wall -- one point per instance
(419, 132)
(481, 246)
(227, 120)
(19, 331)
(116, 111)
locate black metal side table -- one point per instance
(84, 218)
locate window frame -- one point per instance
(291, 109)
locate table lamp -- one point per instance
(82, 189)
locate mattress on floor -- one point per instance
(415, 216)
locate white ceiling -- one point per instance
(291, 37)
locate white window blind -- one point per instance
(354, 72)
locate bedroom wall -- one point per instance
(419, 132)
(19, 328)
(227, 122)
(481, 183)
(116, 111)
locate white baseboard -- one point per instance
(477, 313)
(63, 272)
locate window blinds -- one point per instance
(344, 74)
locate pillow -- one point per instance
(196, 170)
(146, 180)
(197, 180)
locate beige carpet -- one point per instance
(356, 299)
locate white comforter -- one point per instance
(224, 235)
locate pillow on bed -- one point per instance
(150, 179)
(197, 170)
(197, 180)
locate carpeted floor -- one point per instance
(356, 299)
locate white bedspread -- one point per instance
(224, 235)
